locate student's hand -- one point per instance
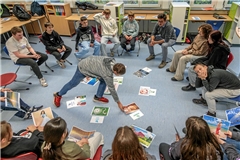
(130, 38)
(40, 128)
(63, 48)
(177, 137)
(6, 89)
(229, 134)
(91, 44)
(151, 43)
(2, 99)
(38, 56)
(120, 106)
(35, 56)
(184, 52)
(220, 141)
(202, 75)
(82, 142)
(76, 50)
(59, 50)
(31, 128)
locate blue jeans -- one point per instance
(85, 45)
(20, 113)
(77, 77)
(235, 143)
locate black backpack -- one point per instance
(36, 9)
(4, 11)
(20, 13)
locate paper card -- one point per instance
(141, 73)
(100, 111)
(80, 100)
(90, 81)
(147, 69)
(131, 108)
(77, 134)
(71, 104)
(97, 119)
(152, 92)
(12, 99)
(136, 115)
(233, 115)
(119, 80)
(144, 91)
(41, 117)
(116, 84)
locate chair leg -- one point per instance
(138, 48)
(23, 82)
(49, 67)
(68, 62)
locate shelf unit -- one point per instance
(57, 14)
(230, 27)
(117, 13)
(179, 13)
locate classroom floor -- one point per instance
(171, 106)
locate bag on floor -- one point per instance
(36, 9)
(20, 13)
(4, 11)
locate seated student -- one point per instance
(163, 34)
(231, 146)
(100, 67)
(109, 31)
(217, 56)
(199, 47)
(129, 32)
(215, 83)
(13, 146)
(55, 45)
(22, 114)
(21, 52)
(85, 39)
(56, 146)
(126, 146)
(198, 144)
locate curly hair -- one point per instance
(206, 29)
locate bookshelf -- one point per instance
(179, 13)
(230, 27)
(57, 14)
(117, 13)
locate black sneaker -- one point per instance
(184, 130)
(189, 87)
(149, 129)
(200, 101)
(211, 114)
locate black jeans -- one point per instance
(58, 55)
(124, 40)
(32, 62)
(164, 150)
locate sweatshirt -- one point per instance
(100, 67)
(84, 34)
(130, 28)
(52, 41)
(166, 32)
(108, 26)
(199, 46)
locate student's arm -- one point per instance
(202, 50)
(47, 43)
(230, 151)
(124, 29)
(115, 28)
(154, 32)
(74, 150)
(97, 17)
(235, 136)
(77, 39)
(211, 84)
(169, 30)
(92, 36)
(61, 43)
(136, 30)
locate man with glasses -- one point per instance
(164, 35)
(130, 32)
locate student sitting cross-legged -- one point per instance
(85, 39)
(198, 144)
(57, 147)
(55, 45)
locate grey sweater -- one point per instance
(100, 67)
(166, 32)
(130, 28)
(230, 150)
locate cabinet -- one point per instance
(230, 27)
(117, 12)
(57, 14)
(179, 13)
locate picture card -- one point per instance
(217, 125)
(100, 111)
(41, 117)
(79, 101)
(152, 92)
(145, 137)
(144, 91)
(233, 115)
(77, 134)
(133, 107)
(136, 115)
(141, 73)
(12, 99)
(119, 80)
(97, 119)
(90, 81)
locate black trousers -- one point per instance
(124, 40)
(58, 55)
(164, 150)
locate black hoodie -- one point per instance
(84, 31)
(217, 57)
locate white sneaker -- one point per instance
(61, 64)
(43, 82)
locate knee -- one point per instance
(44, 56)
(86, 49)
(149, 40)
(164, 45)
(69, 49)
(208, 95)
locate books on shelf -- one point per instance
(41, 117)
(145, 137)
(79, 101)
(76, 134)
(90, 81)
(233, 115)
(12, 99)
(217, 125)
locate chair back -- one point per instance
(6, 50)
(25, 156)
(177, 31)
(230, 59)
(215, 24)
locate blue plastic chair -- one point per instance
(215, 24)
(237, 99)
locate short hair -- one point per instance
(162, 16)
(206, 29)
(5, 129)
(16, 30)
(107, 11)
(47, 24)
(83, 18)
(130, 13)
(199, 63)
(119, 68)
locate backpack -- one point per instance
(4, 11)
(20, 13)
(36, 9)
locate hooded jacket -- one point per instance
(84, 34)
(52, 41)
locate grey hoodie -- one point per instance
(130, 28)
